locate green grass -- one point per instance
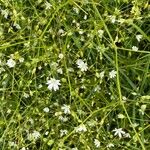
(89, 48)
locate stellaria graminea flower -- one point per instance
(5, 13)
(34, 136)
(63, 119)
(61, 56)
(47, 5)
(112, 74)
(127, 135)
(113, 19)
(11, 63)
(81, 128)
(63, 132)
(97, 143)
(53, 84)
(110, 145)
(134, 48)
(74, 148)
(60, 71)
(23, 148)
(66, 109)
(100, 33)
(139, 37)
(119, 132)
(82, 65)
(46, 109)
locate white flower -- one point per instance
(27, 45)
(9, 111)
(121, 116)
(63, 119)
(31, 121)
(47, 132)
(97, 143)
(5, 13)
(66, 109)
(33, 136)
(60, 71)
(61, 56)
(97, 88)
(40, 67)
(25, 95)
(119, 132)
(61, 31)
(63, 132)
(53, 84)
(74, 148)
(40, 86)
(124, 98)
(134, 48)
(139, 37)
(21, 59)
(17, 26)
(11, 63)
(100, 33)
(143, 107)
(81, 31)
(81, 65)
(36, 134)
(142, 110)
(85, 17)
(113, 19)
(12, 144)
(23, 148)
(76, 10)
(112, 74)
(127, 135)
(46, 109)
(110, 145)
(47, 5)
(81, 128)
(102, 74)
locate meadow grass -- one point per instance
(75, 75)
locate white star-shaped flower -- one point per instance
(113, 19)
(66, 109)
(5, 13)
(81, 128)
(82, 65)
(47, 5)
(46, 109)
(63, 132)
(11, 63)
(34, 135)
(112, 74)
(134, 48)
(139, 37)
(53, 84)
(127, 135)
(110, 145)
(97, 143)
(119, 132)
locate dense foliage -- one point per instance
(74, 75)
